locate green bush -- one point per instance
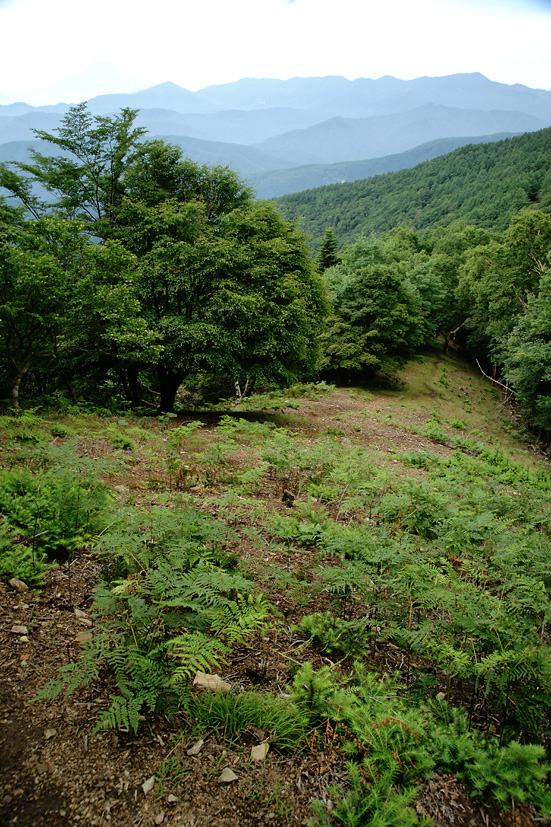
(48, 514)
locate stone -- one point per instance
(196, 748)
(212, 682)
(259, 752)
(19, 630)
(172, 799)
(18, 585)
(83, 637)
(160, 818)
(227, 777)
(49, 733)
(148, 785)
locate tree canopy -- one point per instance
(218, 285)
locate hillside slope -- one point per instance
(483, 184)
(413, 510)
(277, 182)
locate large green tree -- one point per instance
(327, 255)
(225, 284)
(62, 296)
(84, 178)
(526, 352)
(378, 316)
(497, 278)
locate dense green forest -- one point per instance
(482, 184)
(149, 275)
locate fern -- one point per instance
(123, 714)
(175, 582)
(194, 651)
(239, 619)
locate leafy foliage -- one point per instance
(49, 513)
(216, 287)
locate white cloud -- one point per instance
(197, 44)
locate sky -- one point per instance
(197, 43)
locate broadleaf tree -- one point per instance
(224, 285)
(63, 298)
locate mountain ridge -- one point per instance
(309, 121)
(482, 184)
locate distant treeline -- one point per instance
(483, 185)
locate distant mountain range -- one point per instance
(287, 135)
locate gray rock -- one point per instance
(212, 682)
(196, 748)
(148, 785)
(228, 776)
(259, 752)
(18, 585)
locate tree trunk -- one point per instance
(169, 382)
(133, 385)
(20, 371)
(122, 376)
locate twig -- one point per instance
(495, 381)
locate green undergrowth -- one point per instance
(52, 501)
(171, 602)
(436, 562)
(454, 394)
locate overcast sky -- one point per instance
(195, 43)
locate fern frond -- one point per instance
(240, 618)
(123, 714)
(195, 651)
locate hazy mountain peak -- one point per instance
(271, 124)
(168, 85)
(101, 78)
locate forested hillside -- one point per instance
(483, 184)
(277, 182)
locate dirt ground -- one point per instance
(53, 772)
